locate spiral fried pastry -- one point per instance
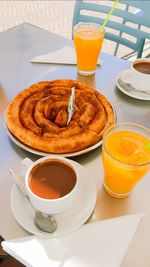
(38, 116)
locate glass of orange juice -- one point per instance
(126, 157)
(88, 42)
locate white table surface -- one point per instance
(18, 46)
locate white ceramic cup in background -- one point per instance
(139, 80)
(57, 205)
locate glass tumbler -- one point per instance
(126, 157)
(88, 42)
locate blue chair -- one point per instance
(135, 38)
(142, 10)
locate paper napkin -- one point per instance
(102, 243)
(66, 55)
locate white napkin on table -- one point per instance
(98, 244)
(65, 55)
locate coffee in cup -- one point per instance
(52, 184)
(138, 75)
(142, 67)
(52, 179)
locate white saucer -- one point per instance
(68, 221)
(132, 93)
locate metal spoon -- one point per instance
(44, 222)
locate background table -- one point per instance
(17, 47)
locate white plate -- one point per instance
(40, 153)
(132, 93)
(67, 155)
(68, 221)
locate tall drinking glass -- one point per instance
(126, 157)
(88, 42)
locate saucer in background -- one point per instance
(128, 89)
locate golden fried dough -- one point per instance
(38, 116)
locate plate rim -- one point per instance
(40, 153)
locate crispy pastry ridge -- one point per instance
(37, 116)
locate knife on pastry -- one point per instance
(71, 105)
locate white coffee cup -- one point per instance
(50, 205)
(138, 79)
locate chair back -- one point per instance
(144, 9)
(132, 37)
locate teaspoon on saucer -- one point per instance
(44, 222)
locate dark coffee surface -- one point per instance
(143, 67)
(52, 179)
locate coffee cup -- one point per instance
(51, 183)
(138, 75)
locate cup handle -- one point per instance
(20, 178)
(26, 163)
(126, 76)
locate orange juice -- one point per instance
(126, 159)
(88, 43)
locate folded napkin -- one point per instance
(98, 244)
(66, 55)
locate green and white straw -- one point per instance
(108, 16)
(148, 145)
